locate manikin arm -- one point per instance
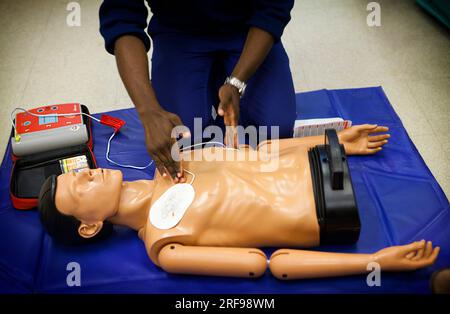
(298, 264)
(213, 261)
(357, 140)
(288, 264)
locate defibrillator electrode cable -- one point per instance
(122, 165)
(192, 174)
(110, 138)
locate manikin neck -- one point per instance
(134, 204)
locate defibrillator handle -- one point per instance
(336, 157)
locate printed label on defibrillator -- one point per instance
(170, 208)
(75, 164)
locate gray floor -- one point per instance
(43, 61)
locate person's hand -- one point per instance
(158, 125)
(229, 110)
(407, 257)
(362, 140)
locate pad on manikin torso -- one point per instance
(171, 206)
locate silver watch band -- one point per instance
(234, 81)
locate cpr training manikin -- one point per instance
(217, 222)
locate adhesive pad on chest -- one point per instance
(171, 206)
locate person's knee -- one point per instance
(286, 129)
(279, 126)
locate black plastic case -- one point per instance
(337, 210)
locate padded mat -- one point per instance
(398, 197)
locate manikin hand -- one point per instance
(357, 141)
(229, 110)
(407, 257)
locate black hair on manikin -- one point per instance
(63, 228)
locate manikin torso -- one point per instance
(238, 205)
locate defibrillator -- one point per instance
(49, 127)
(53, 140)
(48, 140)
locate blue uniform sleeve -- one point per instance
(271, 16)
(123, 17)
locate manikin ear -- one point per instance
(89, 230)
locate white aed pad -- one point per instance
(170, 208)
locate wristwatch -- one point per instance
(234, 81)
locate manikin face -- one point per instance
(91, 195)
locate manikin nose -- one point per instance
(98, 171)
(94, 172)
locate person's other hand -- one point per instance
(362, 140)
(407, 257)
(158, 125)
(229, 110)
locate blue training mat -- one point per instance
(398, 198)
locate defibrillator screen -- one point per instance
(49, 119)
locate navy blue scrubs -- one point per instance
(196, 45)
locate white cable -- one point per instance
(121, 165)
(192, 174)
(205, 143)
(199, 144)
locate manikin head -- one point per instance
(74, 207)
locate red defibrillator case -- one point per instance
(45, 144)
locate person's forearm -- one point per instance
(298, 264)
(158, 124)
(256, 48)
(132, 63)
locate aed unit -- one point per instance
(47, 128)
